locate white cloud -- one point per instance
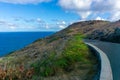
(47, 27)
(99, 18)
(38, 20)
(24, 1)
(101, 5)
(6, 23)
(80, 7)
(63, 22)
(84, 15)
(75, 4)
(60, 22)
(84, 8)
(2, 22)
(29, 20)
(116, 4)
(61, 26)
(115, 16)
(12, 27)
(35, 24)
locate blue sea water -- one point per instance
(11, 41)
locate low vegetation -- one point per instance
(74, 51)
(62, 56)
(16, 73)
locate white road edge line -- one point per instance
(106, 71)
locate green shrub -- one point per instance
(75, 51)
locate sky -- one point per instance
(53, 15)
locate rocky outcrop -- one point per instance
(97, 29)
(113, 37)
(110, 32)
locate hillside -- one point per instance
(62, 56)
(110, 32)
(97, 29)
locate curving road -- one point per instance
(112, 50)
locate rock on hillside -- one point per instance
(110, 32)
(98, 29)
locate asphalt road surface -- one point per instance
(112, 50)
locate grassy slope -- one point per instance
(75, 56)
(62, 56)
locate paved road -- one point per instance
(113, 52)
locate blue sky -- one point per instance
(53, 15)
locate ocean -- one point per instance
(11, 41)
